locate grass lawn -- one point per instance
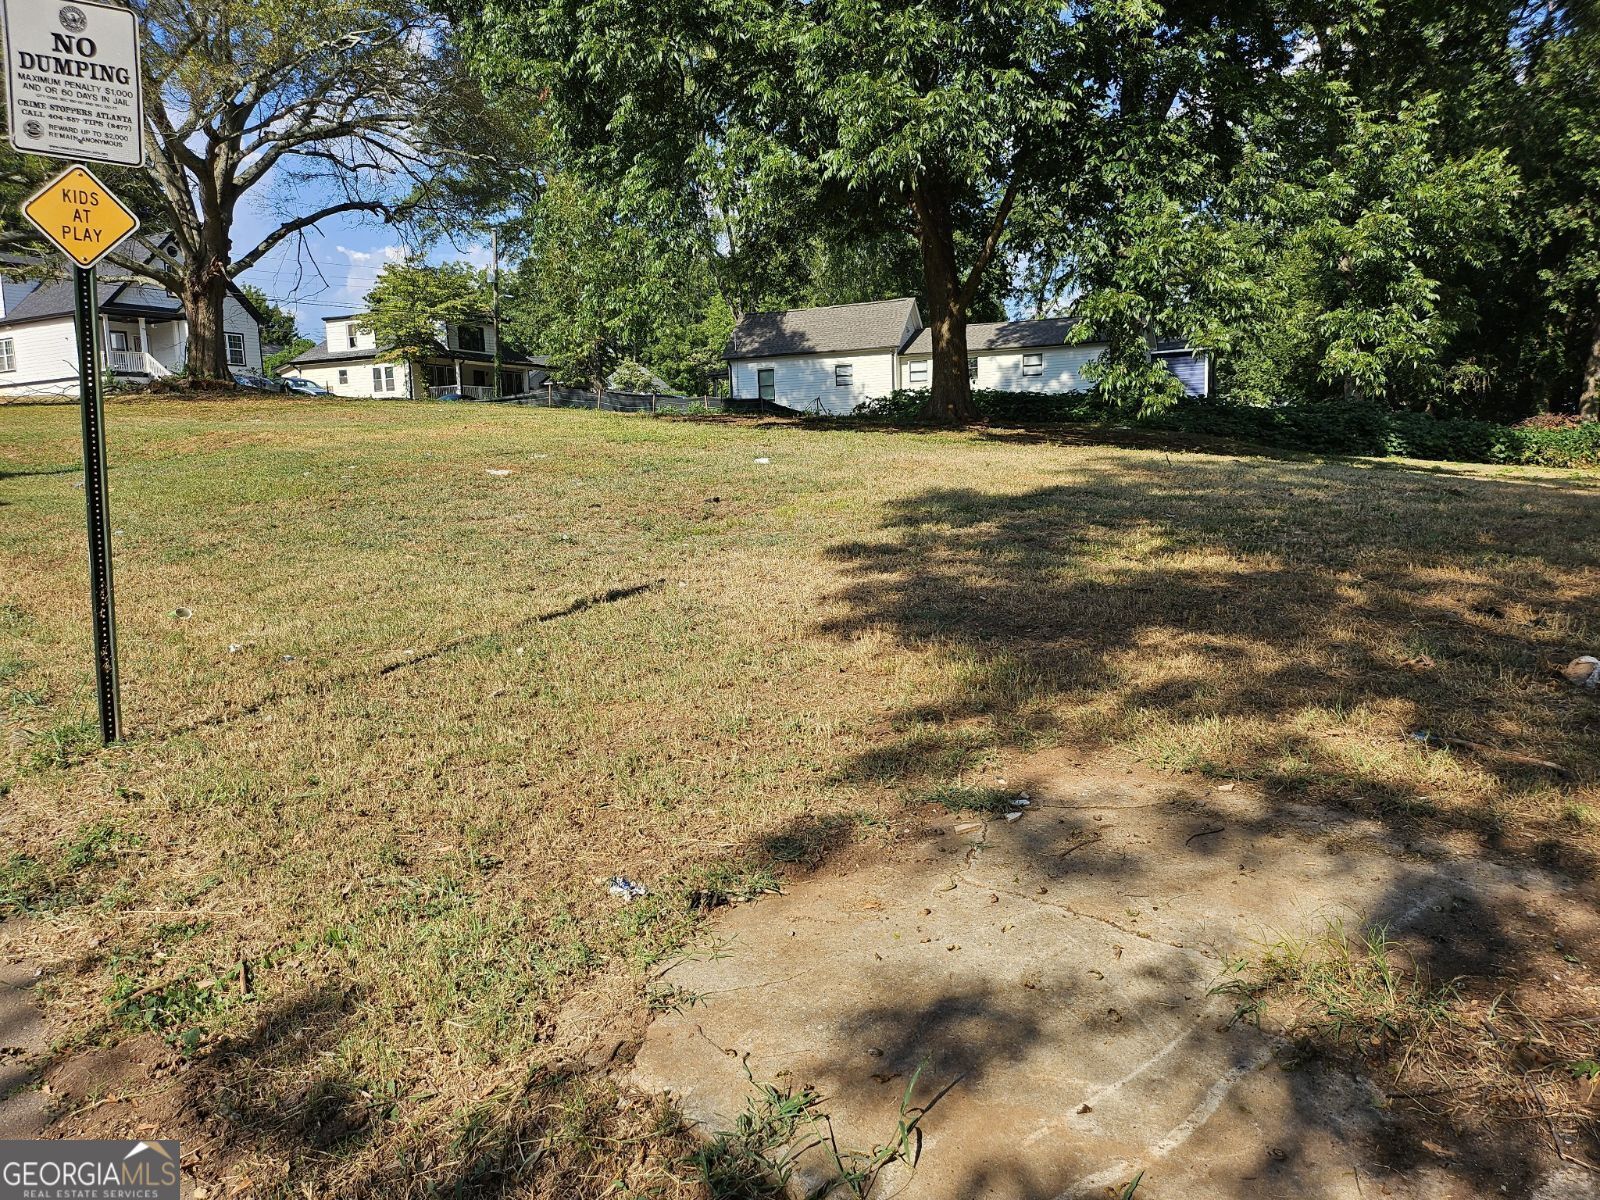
(405, 684)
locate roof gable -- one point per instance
(840, 328)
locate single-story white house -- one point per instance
(142, 328)
(821, 359)
(347, 363)
(833, 359)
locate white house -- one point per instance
(833, 359)
(142, 328)
(821, 359)
(1047, 355)
(347, 363)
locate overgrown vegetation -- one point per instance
(1328, 428)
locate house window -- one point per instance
(844, 375)
(972, 370)
(917, 374)
(119, 339)
(764, 384)
(383, 379)
(8, 354)
(235, 349)
(480, 378)
(350, 336)
(470, 337)
(344, 376)
(1033, 364)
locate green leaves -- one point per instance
(411, 303)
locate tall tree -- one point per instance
(934, 117)
(600, 286)
(307, 107)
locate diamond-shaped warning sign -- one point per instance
(79, 214)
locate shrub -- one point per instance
(1317, 428)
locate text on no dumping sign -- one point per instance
(72, 80)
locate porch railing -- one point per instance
(136, 362)
(477, 392)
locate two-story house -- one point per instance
(349, 362)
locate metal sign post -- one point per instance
(75, 90)
(86, 222)
(102, 614)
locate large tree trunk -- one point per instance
(205, 288)
(950, 402)
(207, 358)
(1589, 397)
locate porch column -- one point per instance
(144, 339)
(105, 341)
(458, 374)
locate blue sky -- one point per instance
(330, 273)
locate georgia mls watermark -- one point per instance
(88, 1170)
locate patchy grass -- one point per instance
(417, 714)
(1468, 1051)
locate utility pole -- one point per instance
(494, 277)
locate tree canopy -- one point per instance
(1393, 202)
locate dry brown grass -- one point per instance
(396, 800)
(1457, 1050)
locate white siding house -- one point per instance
(142, 329)
(1049, 356)
(831, 360)
(347, 362)
(827, 360)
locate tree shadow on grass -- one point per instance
(287, 1091)
(1295, 625)
(1289, 624)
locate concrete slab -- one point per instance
(24, 1038)
(1051, 978)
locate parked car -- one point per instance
(257, 383)
(305, 387)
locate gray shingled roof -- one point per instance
(1008, 335)
(874, 325)
(50, 300)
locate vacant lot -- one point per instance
(405, 684)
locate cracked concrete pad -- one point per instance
(1052, 978)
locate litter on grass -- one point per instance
(498, 472)
(763, 461)
(1583, 671)
(626, 889)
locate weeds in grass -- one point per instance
(30, 884)
(1348, 987)
(1359, 997)
(755, 1159)
(994, 801)
(65, 745)
(181, 1011)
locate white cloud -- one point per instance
(385, 254)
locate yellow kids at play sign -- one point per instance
(80, 215)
